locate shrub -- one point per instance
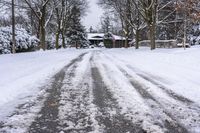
(24, 41)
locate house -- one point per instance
(110, 40)
(95, 38)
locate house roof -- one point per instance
(100, 36)
(95, 36)
(119, 37)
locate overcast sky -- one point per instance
(93, 15)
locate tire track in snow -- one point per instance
(75, 104)
(47, 119)
(25, 113)
(180, 109)
(109, 114)
(169, 121)
(183, 109)
(169, 92)
(130, 102)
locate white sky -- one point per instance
(93, 15)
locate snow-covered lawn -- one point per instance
(21, 74)
(177, 69)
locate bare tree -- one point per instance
(148, 10)
(60, 6)
(121, 7)
(63, 15)
(138, 14)
(132, 16)
(39, 9)
(190, 10)
(106, 22)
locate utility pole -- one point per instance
(13, 27)
(185, 26)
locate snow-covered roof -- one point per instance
(119, 37)
(95, 36)
(100, 36)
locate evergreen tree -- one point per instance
(76, 32)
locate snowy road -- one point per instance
(96, 92)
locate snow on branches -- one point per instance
(24, 41)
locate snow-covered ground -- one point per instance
(104, 90)
(167, 81)
(177, 69)
(21, 74)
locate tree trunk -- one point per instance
(13, 27)
(128, 17)
(57, 40)
(137, 39)
(42, 37)
(57, 36)
(31, 22)
(58, 28)
(42, 30)
(38, 30)
(152, 36)
(126, 42)
(127, 32)
(184, 36)
(63, 40)
(76, 45)
(184, 30)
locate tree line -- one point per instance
(61, 18)
(161, 19)
(60, 21)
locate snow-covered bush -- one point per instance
(194, 40)
(51, 41)
(77, 36)
(194, 36)
(24, 41)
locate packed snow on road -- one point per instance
(101, 90)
